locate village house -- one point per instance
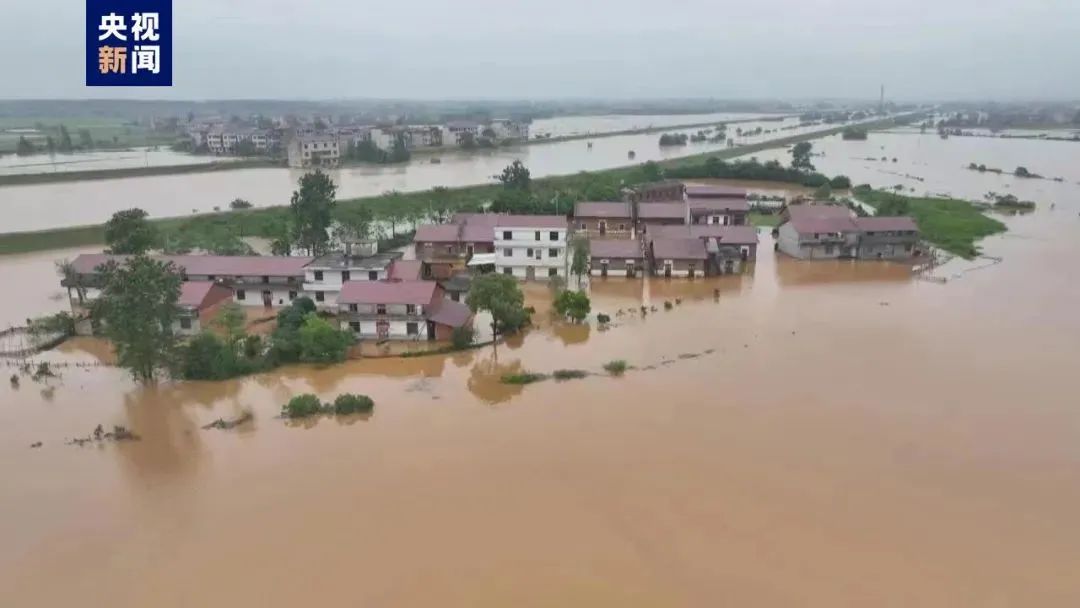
(652, 214)
(616, 258)
(604, 219)
(668, 190)
(198, 304)
(728, 248)
(717, 205)
(325, 276)
(678, 257)
(446, 249)
(815, 231)
(507, 130)
(323, 150)
(531, 246)
(399, 310)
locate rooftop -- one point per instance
(814, 218)
(437, 233)
(615, 248)
(687, 248)
(531, 221)
(717, 204)
(387, 292)
(448, 312)
(339, 261)
(194, 294)
(662, 211)
(613, 209)
(702, 191)
(218, 265)
(733, 235)
(886, 224)
(406, 270)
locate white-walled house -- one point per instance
(399, 310)
(324, 277)
(616, 258)
(531, 247)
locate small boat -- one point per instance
(631, 154)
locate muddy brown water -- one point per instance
(846, 435)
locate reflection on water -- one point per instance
(100, 160)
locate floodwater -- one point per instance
(562, 126)
(811, 434)
(63, 204)
(105, 159)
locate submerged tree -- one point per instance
(579, 261)
(137, 308)
(312, 208)
(800, 156)
(573, 304)
(500, 295)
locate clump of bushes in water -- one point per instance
(603, 319)
(1009, 201)
(569, 374)
(522, 378)
(308, 405)
(99, 435)
(616, 367)
(772, 171)
(667, 305)
(673, 139)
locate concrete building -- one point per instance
(669, 213)
(604, 219)
(728, 248)
(616, 258)
(888, 238)
(668, 190)
(678, 257)
(717, 205)
(507, 130)
(199, 302)
(325, 276)
(815, 231)
(446, 249)
(323, 150)
(399, 310)
(531, 246)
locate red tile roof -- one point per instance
(699, 206)
(886, 224)
(437, 233)
(602, 209)
(218, 265)
(387, 292)
(405, 270)
(194, 293)
(679, 249)
(625, 249)
(449, 313)
(662, 211)
(704, 191)
(733, 235)
(812, 219)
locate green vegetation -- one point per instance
(616, 367)
(61, 322)
(569, 374)
(603, 319)
(673, 139)
(312, 207)
(522, 378)
(515, 176)
(764, 219)
(302, 406)
(138, 307)
(1009, 202)
(239, 203)
(800, 156)
(308, 405)
(854, 133)
(501, 296)
(579, 261)
(573, 304)
(951, 224)
(348, 403)
(129, 232)
(462, 337)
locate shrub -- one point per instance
(239, 203)
(348, 403)
(462, 337)
(616, 367)
(522, 378)
(603, 319)
(569, 374)
(667, 305)
(321, 342)
(573, 304)
(302, 406)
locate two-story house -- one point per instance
(889, 238)
(325, 276)
(813, 231)
(728, 248)
(660, 213)
(616, 258)
(445, 249)
(722, 205)
(604, 219)
(399, 310)
(531, 247)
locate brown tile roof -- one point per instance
(602, 209)
(532, 221)
(688, 248)
(704, 205)
(812, 219)
(193, 294)
(449, 313)
(405, 270)
(662, 211)
(387, 292)
(886, 224)
(218, 265)
(615, 248)
(734, 235)
(478, 233)
(704, 191)
(437, 233)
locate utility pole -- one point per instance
(881, 102)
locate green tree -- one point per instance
(232, 321)
(651, 171)
(239, 203)
(800, 156)
(65, 144)
(129, 232)
(312, 209)
(354, 224)
(321, 342)
(1022, 172)
(86, 141)
(72, 279)
(137, 307)
(515, 176)
(25, 147)
(348, 403)
(579, 261)
(50, 145)
(823, 193)
(501, 296)
(573, 304)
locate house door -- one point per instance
(530, 273)
(603, 269)
(382, 329)
(727, 220)
(690, 271)
(603, 228)
(268, 299)
(630, 272)
(667, 270)
(729, 266)
(430, 330)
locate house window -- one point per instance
(355, 326)
(292, 296)
(529, 252)
(508, 252)
(584, 226)
(318, 275)
(553, 272)
(537, 235)
(380, 309)
(266, 279)
(553, 236)
(828, 249)
(291, 280)
(410, 309)
(319, 296)
(622, 226)
(210, 277)
(507, 235)
(240, 294)
(508, 271)
(344, 275)
(412, 329)
(185, 323)
(553, 253)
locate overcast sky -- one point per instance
(437, 49)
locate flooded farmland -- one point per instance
(62, 204)
(811, 433)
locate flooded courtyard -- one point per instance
(813, 434)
